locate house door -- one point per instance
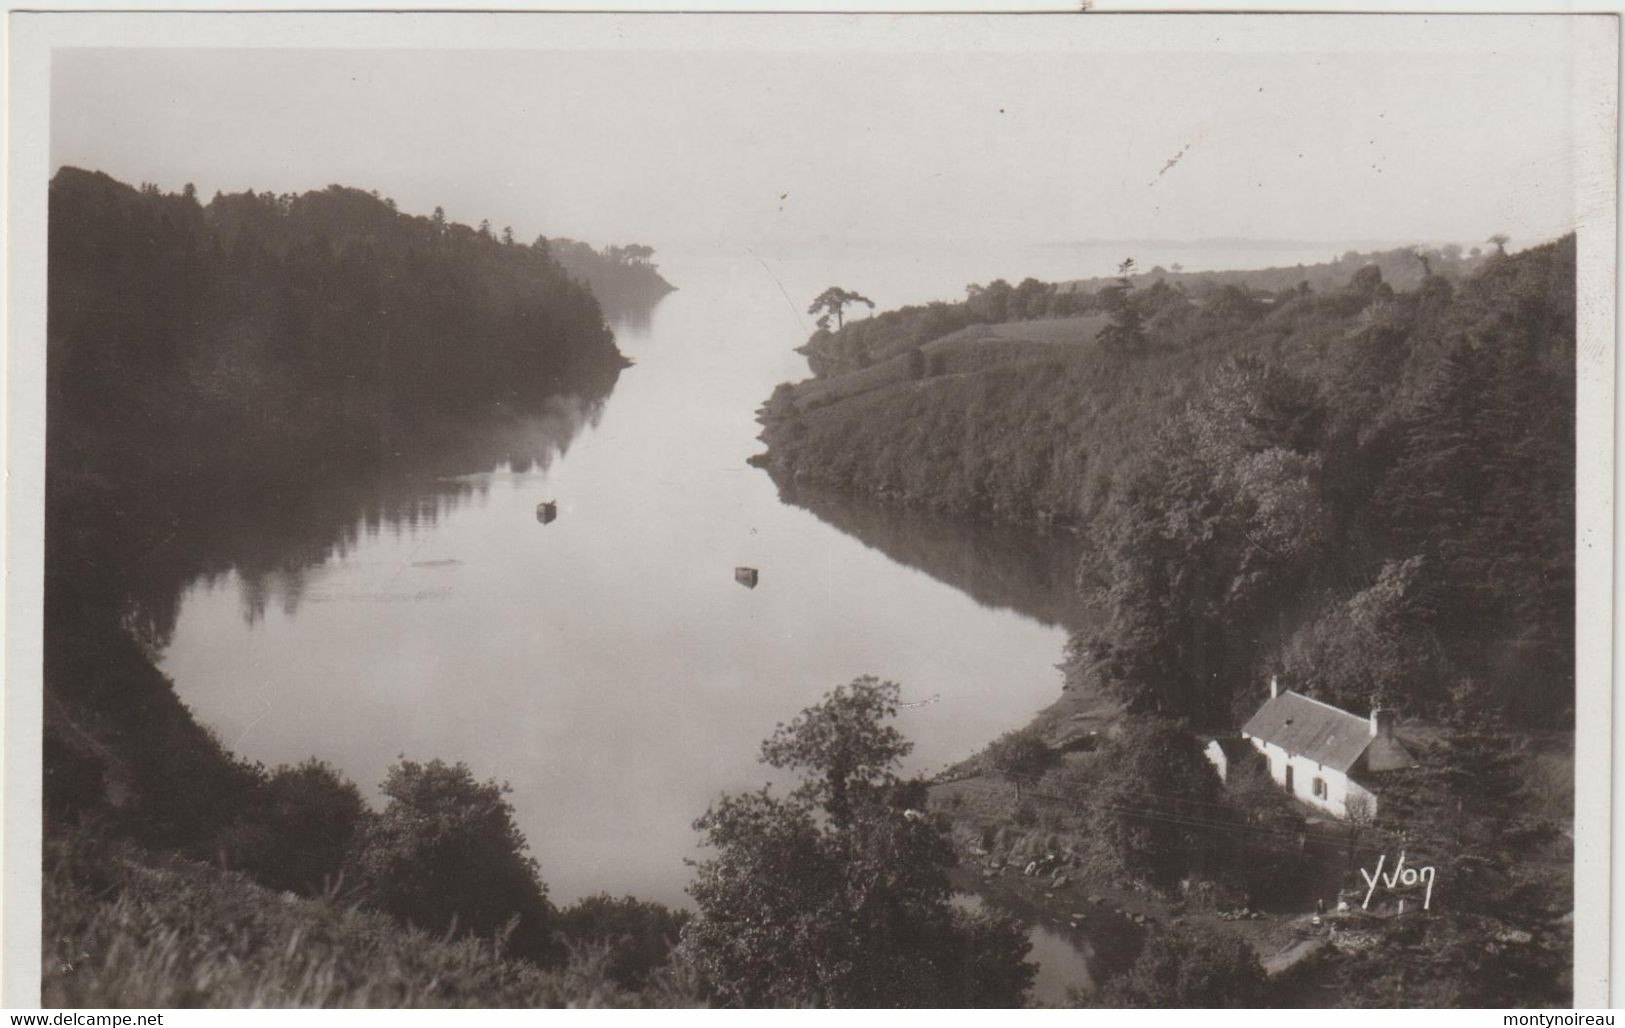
(1289, 787)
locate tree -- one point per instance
(989, 304)
(916, 362)
(845, 744)
(1367, 284)
(637, 253)
(1156, 801)
(1382, 639)
(1500, 239)
(445, 855)
(638, 935)
(1124, 333)
(1181, 968)
(1021, 755)
(1258, 855)
(1233, 302)
(1204, 533)
(1486, 447)
(1031, 299)
(297, 830)
(834, 301)
(837, 894)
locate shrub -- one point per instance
(445, 855)
(1021, 756)
(1156, 801)
(636, 936)
(297, 831)
(1187, 969)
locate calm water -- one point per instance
(1062, 959)
(607, 665)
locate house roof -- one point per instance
(1323, 733)
(1387, 755)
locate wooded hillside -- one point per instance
(213, 369)
(1369, 490)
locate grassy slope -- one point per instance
(125, 928)
(970, 350)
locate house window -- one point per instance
(1319, 788)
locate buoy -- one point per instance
(547, 511)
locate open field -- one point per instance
(973, 349)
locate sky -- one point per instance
(813, 134)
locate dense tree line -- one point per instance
(1402, 267)
(1368, 488)
(247, 352)
(325, 328)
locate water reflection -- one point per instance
(274, 547)
(609, 664)
(1062, 958)
(1027, 569)
(628, 311)
(630, 319)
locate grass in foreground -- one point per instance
(126, 928)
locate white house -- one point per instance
(1227, 753)
(1326, 757)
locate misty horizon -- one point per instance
(1340, 131)
(813, 244)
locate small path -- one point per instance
(1299, 951)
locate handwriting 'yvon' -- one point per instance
(1401, 876)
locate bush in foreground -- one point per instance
(837, 895)
(446, 856)
(1185, 969)
(298, 829)
(636, 935)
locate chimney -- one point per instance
(1382, 723)
(1275, 686)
